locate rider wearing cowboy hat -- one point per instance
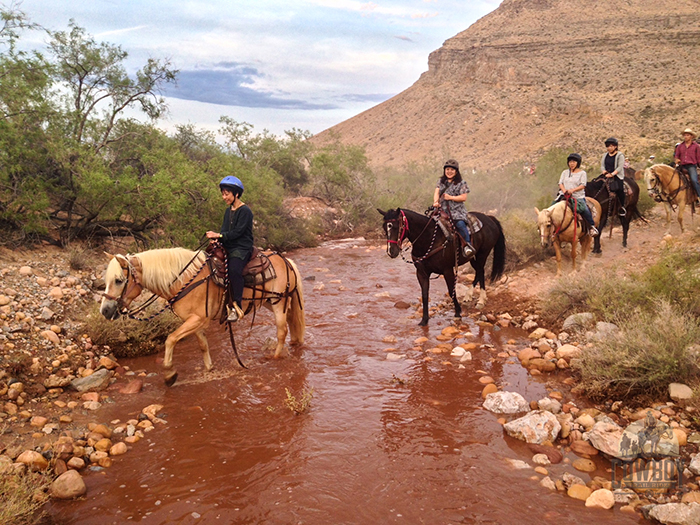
(687, 155)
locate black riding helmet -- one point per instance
(576, 157)
(451, 163)
(611, 140)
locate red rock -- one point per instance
(583, 447)
(132, 387)
(552, 453)
(91, 396)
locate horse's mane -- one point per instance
(160, 268)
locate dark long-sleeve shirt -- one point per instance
(237, 232)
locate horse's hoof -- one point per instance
(423, 323)
(170, 378)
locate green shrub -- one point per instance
(522, 238)
(21, 497)
(652, 349)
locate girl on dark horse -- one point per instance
(433, 253)
(451, 195)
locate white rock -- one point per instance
(517, 464)
(677, 513)
(541, 459)
(679, 392)
(391, 356)
(506, 403)
(537, 426)
(601, 499)
(550, 405)
(466, 357)
(606, 436)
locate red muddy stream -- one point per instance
(370, 449)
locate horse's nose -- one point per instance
(109, 310)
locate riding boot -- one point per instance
(621, 198)
(235, 313)
(468, 250)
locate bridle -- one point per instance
(653, 187)
(132, 281)
(402, 234)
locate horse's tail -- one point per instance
(295, 313)
(499, 253)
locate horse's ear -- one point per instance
(123, 261)
(109, 255)
(537, 212)
(383, 213)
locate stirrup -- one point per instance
(234, 313)
(593, 231)
(622, 212)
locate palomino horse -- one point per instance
(598, 189)
(556, 225)
(433, 253)
(666, 185)
(183, 279)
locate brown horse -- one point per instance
(556, 225)
(183, 279)
(665, 184)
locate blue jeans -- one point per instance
(587, 212)
(463, 230)
(693, 172)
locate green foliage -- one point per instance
(652, 349)
(298, 406)
(523, 238)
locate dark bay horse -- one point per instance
(598, 190)
(433, 253)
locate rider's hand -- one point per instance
(213, 235)
(436, 204)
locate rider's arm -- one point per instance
(436, 197)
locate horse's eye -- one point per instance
(119, 282)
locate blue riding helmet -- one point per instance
(232, 184)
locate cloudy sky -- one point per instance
(305, 64)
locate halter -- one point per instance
(653, 189)
(403, 231)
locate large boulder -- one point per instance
(680, 392)
(506, 403)
(537, 426)
(606, 436)
(580, 321)
(68, 485)
(677, 513)
(94, 382)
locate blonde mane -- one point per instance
(160, 269)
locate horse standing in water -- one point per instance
(666, 184)
(184, 280)
(598, 189)
(433, 253)
(557, 224)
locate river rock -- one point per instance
(118, 449)
(151, 411)
(538, 333)
(552, 453)
(680, 392)
(579, 321)
(54, 381)
(606, 436)
(33, 460)
(568, 352)
(132, 387)
(543, 365)
(68, 485)
(583, 447)
(550, 405)
(526, 354)
(506, 403)
(676, 513)
(691, 497)
(38, 421)
(581, 492)
(107, 363)
(76, 463)
(25, 271)
(601, 499)
(541, 459)
(694, 466)
(103, 445)
(570, 480)
(102, 430)
(547, 483)
(489, 389)
(537, 426)
(96, 382)
(583, 465)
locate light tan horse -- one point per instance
(664, 184)
(556, 225)
(194, 298)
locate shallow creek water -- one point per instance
(383, 441)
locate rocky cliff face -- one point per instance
(536, 74)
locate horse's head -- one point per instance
(396, 228)
(544, 226)
(122, 285)
(653, 183)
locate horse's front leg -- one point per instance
(625, 228)
(681, 211)
(557, 251)
(281, 322)
(190, 326)
(204, 346)
(585, 247)
(667, 207)
(450, 281)
(424, 281)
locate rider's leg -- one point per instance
(464, 232)
(620, 192)
(235, 280)
(693, 172)
(589, 217)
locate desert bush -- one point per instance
(300, 405)
(522, 238)
(130, 338)
(652, 349)
(21, 497)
